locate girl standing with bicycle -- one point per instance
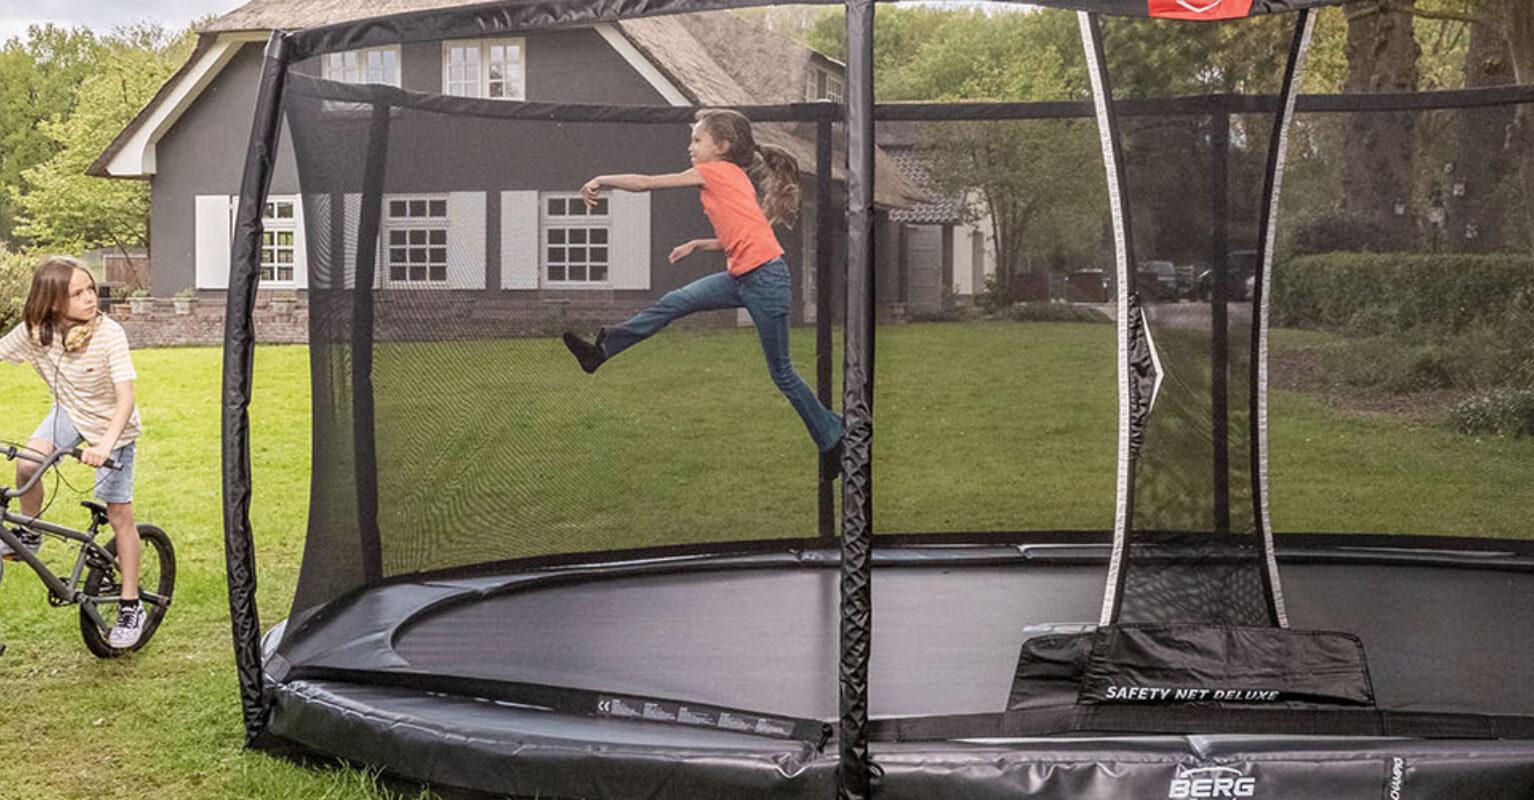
(83, 357)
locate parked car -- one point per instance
(1089, 286)
(1239, 279)
(1157, 280)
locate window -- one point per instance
(820, 84)
(373, 65)
(280, 231)
(575, 240)
(490, 68)
(415, 237)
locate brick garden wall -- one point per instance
(465, 315)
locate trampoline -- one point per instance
(518, 580)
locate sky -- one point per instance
(103, 15)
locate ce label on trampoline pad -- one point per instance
(702, 717)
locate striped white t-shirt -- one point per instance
(83, 383)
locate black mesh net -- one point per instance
(451, 428)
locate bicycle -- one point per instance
(94, 582)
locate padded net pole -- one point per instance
(239, 363)
(857, 482)
(1272, 186)
(1113, 161)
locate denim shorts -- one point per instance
(112, 485)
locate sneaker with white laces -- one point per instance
(29, 539)
(129, 627)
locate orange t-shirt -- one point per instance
(729, 201)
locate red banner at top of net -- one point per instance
(1200, 9)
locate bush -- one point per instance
(1373, 294)
(1335, 231)
(1504, 412)
(1051, 312)
(15, 278)
(1379, 363)
(993, 297)
(953, 314)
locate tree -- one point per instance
(63, 208)
(38, 79)
(1377, 158)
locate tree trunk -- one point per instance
(1377, 159)
(1475, 214)
(1520, 141)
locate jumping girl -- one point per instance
(725, 159)
(83, 357)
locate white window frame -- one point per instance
(430, 222)
(363, 71)
(565, 223)
(360, 73)
(823, 84)
(483, 49)
(273, 226)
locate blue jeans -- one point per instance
(765, 293)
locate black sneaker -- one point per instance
(831, 461)
(29, 539)
(589, 355)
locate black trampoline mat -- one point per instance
(1439, 638)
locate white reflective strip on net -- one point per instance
(1307, 19)
(1121, 259)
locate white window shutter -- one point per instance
(466, 240)
(629, 242)
(519, 240)
(214, 239)
(300, 245)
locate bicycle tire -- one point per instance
(95, 578)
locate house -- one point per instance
(945, 251)
(491, 225)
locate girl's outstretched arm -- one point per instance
(639, 183)
(686, 249)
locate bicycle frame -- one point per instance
(64, 592)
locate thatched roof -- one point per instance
(714, 58)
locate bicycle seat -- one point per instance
(95, 507)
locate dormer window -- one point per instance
(822, 84)
(490, 68)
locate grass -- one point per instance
(979, 426)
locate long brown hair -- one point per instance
(48, 297)
(774, 170)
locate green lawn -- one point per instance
(982, 426)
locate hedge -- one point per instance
(1383, 293)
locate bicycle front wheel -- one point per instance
(157, 576)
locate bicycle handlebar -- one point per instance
(13, 452)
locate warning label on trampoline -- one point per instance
(694, 716)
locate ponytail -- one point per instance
(776, 171)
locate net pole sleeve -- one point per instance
(1113, 163)
(852, 776)
(239, 362)
(1272, 189)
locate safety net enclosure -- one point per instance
(1203, 393)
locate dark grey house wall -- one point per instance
(203, 154)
